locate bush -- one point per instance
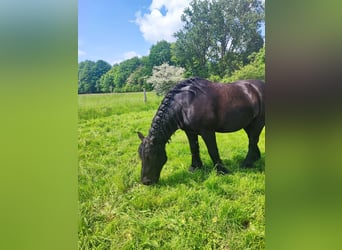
(254, 70)
(165, 77)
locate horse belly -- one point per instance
(236, 113)
(228, 120)
(209, 120)
(233, 122)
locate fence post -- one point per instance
(145, 97)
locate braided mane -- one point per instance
(167, 118)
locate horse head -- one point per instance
(153, 158)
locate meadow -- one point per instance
(184, 210)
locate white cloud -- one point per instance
(162, 21)
(125, 56)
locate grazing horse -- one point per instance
(201, 107)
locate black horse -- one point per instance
(200, 107)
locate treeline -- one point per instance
(220, 40)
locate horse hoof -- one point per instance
(221, 170)
(193, 168)
(246, 165)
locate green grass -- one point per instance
(184, 210)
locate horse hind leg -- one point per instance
(253, 131)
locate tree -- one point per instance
(101, 68)
(218, 34)
(129, 75)
(89, 74)
(160, 53)
(254, 70)
(137, 80)
(106, 82)
(164, 77)
(125, 69)
(85, 76)
(193, 41)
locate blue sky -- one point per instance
(107, 29)
(116, 30)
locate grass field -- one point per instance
(184, 210)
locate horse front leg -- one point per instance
(210, 141)
(194, 148)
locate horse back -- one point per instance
(225, 107)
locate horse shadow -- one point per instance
(188, 178)
(234, 164)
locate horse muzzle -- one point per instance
(149, 181)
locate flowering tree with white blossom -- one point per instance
(165, 77)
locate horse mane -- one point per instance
(165, 122)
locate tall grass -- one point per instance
(184, 210)
(102, 105)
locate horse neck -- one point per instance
(164, 123)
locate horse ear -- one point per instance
(141, 136)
